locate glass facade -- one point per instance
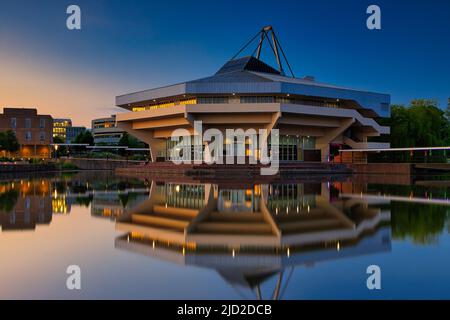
(239, 200)
(290, 148)
(289, 198)
(189, 196)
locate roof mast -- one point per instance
(268, 33)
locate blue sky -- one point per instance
(133, 45)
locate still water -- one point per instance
(179, 238)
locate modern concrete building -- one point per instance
(33, 131)
(105, 131)
(250, 234)
(315, 119)
(60, 128)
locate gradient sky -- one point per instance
(126, 46)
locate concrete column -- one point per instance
(324, 151)
(155, 144)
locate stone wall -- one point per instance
(100, 164)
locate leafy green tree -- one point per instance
(130, 141)
(422, 124)
(447, 111)
(9, 142)
(62, 150)
(84, 137)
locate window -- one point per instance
(13, 123)
(42, 123)
(42, 136)
(385, 107)
(28, 136)
(212, 100)
(28, 123)
(309, 143)
(257, 99)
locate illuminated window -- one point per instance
(165, 105)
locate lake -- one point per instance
(182, 238)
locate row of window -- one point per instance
(166, 104)
(244, 99)
(274, 99)
(29, 136)
(104, 125)
(27, 123)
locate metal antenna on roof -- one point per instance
(268, 33)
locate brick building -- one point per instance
(33, 131)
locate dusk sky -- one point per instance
(126, 46)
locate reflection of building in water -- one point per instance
(113, 203)
(60, 203)
(23, 204)
(249, 235)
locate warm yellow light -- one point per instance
(165, 104)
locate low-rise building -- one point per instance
(105, 131)
(60, 128)
(33, 131)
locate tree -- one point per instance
(422, 124)
(61, 150)
(84, 137)
(130, 141)
(447, 111)
(9, 142)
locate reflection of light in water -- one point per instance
(233, 253)
(288, 252)
(309, 209)
(177, 188)
(338, 246)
